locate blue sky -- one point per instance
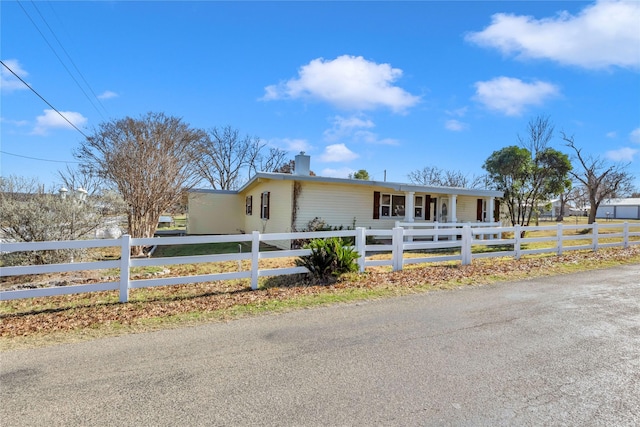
(381, 86)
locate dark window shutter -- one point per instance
(427, 207)
(479, 210)
(376, 205)
(265, 205)
(496, 210)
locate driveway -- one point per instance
(561, 350)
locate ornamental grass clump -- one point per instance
(329, 258)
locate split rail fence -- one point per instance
(450, 242)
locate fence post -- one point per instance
(466, 241)
(625, 234)
(435, 228)
(361, 242)
(125, 257)
(397, 241)
(255, 257)
(559, 235)
(517, 235)
(595, 237)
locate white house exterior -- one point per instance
(619, 209)
(279, 202)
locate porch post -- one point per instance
(409, 210)
(490, 209)
(489, 214)
(452, 202)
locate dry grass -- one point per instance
(44, 321)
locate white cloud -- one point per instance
(612, 134)
(511, 96)
(8, 82)
(634, 136)
(51, 120)
(291, 144)
(455, 125)
(344, 127)
(347, 82)
(372, 138)
(14, 122)
(602, 35)
(338, 153)
(354, 129)
(624, 154)
(107, 94)
(337, 173)
(459, 112)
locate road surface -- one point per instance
(561, 350)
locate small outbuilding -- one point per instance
(628, 208)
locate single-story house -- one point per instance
(280, 202)
(553, 209)
(619, 209)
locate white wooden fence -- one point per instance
(462, 244)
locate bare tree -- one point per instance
(539, 134)
(434, 176)
(428, 175)
(74, 178)
(601, 180)
(225, 157)
(31, 214)
(269, 162)
(150, 160)
(109, 199)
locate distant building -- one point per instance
(619, 209)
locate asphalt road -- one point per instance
(552, 351)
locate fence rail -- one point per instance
(406, 245)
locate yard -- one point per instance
(40, 321)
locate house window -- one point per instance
(249, 205)
(392, 205)
(419, 208)
(264, 205)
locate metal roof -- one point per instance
(392, 186)
(621, 202)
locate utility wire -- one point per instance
(40, 96)
(67, 53)
(36, 158)
(60, 59)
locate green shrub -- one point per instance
(329, 258)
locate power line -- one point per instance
(35, 158)
(41, 97)
(58, 56)
(66, 53)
